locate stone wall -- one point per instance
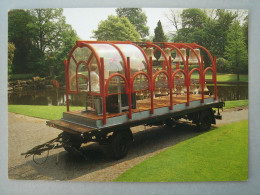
(35, 83)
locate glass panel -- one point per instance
(83, 75)
(72, 75)
(112, 59)
(82, 54)
(137, 60)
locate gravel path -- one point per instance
(26, 132)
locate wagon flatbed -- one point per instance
(78, 121)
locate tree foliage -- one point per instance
(41, 38)
(116, 28)
(159, 36)
(235, 50)
(18, 34)
(137, 17)
(11, 49)
(193, 18)
(46, 29)
(210, 28)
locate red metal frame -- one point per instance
(116, 75)
(129, 81)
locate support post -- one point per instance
(170, 81)
(129, 88)
(202, 80)
(187, 81)
(151, 84)
(67, 85)
(215, 77)
(103, 91)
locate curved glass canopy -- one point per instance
(84, 57)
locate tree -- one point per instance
(193, 22)
(18, 34)
(58, 57)
(208, 28)
(11, 49)
(116, 28)
(48, 32)
(175, 18)
(159, 36)
(235, 50)
(193, 18)
(137, 17)
(46, 29)
(245, 30)
(41, 38)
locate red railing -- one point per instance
(129, 81)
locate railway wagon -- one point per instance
(125, 86)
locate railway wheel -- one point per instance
(70, 143)
(121, 141)
(205, 120)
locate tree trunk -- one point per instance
(237, 71)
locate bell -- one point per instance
(149, 53)
(174, 88)
(167, 52)
(196, 90)
(193, 89)
(178, 56)
(184, 89)
(206, 88)
(192, 57)
(179, 89)
(164, 92)
(158, 91)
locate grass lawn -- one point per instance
(237, 103)
(217, 155)
(221, 77)
(44, 112)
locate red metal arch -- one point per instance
(177, 49)
(114, 75)
(80, 62)
(73, 76)
(156, 74)
(133, 79)
(145, 56)
(149, 44)
(94, 52)
(80, 45)
(121, 54)
(208, 68)
(176, 71)
(194, 53)
(195, 69)
(210, 56)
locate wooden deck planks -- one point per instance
(63, 125)
(143, 105)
